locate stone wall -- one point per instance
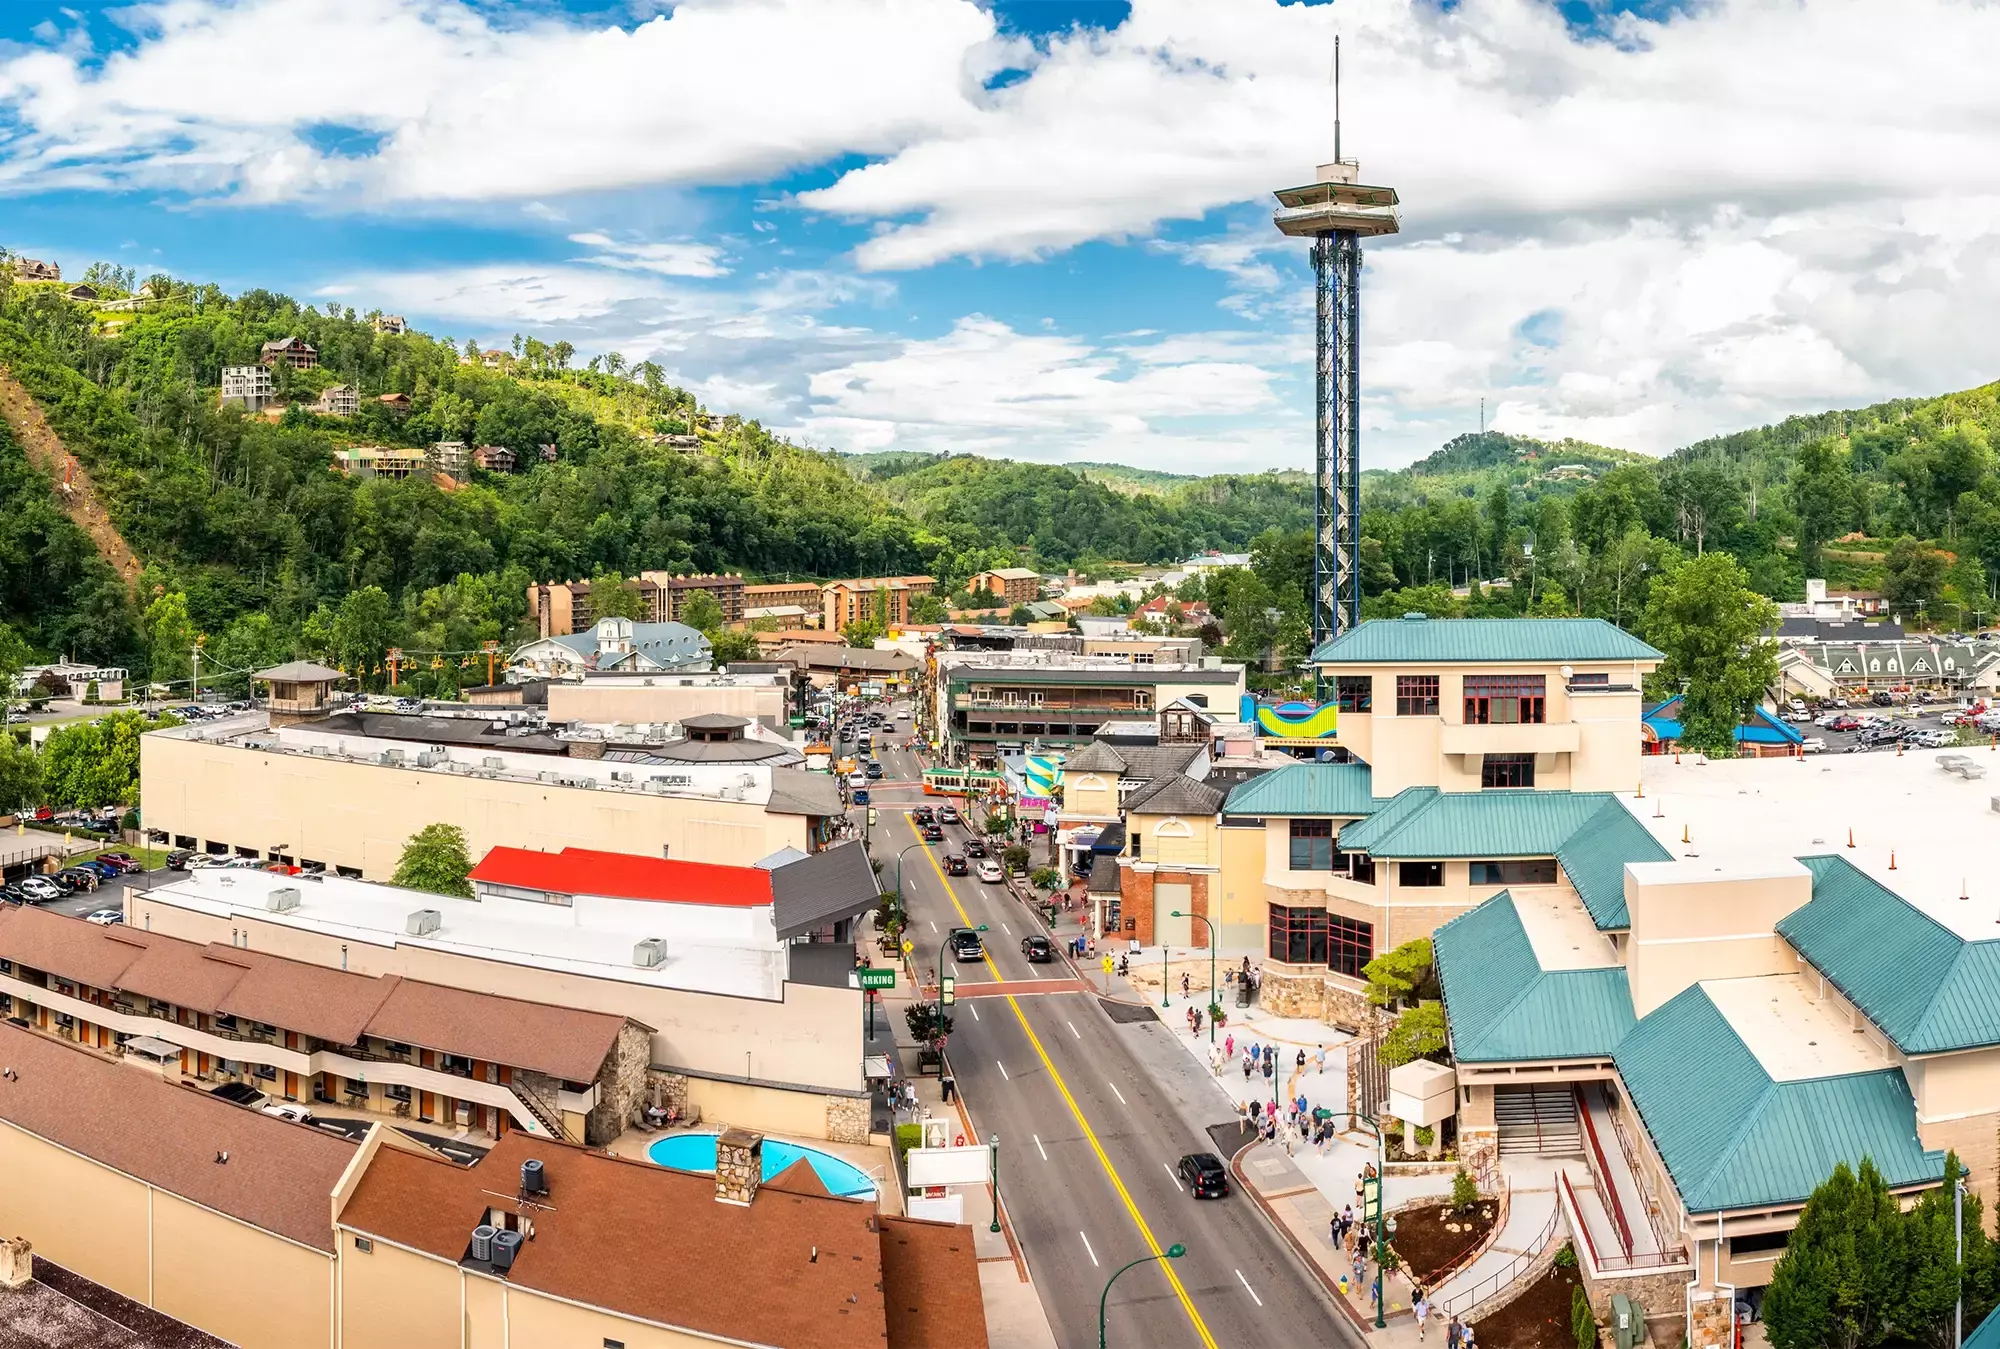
(1479, 1150)
(1316, 996)
(739, 1165)
(621, 1085)
(847, 1119)
(1661, 1295)
(1714, 1321)
(669, 1091)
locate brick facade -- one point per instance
(1135, 889)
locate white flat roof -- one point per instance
(1939, 829)
(1561, 931)
(1794, 1034)
(594, 937)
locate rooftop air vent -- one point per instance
(392, 756)
(423, 922)
(650, 953)
(491, 761)
(506, 1245)
(429, 758)
(282, 900)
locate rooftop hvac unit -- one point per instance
(423, 922)
(650, 953)
(282, 900)
(657, 786)
(506, 1245)
(545, 776)
(491, 761)
(482, 1241)
(534, 1177)
(588, 784)
(617, 776)
(429, 758)
(394, 756)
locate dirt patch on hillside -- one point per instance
(75, 492)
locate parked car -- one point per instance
(1038, 949)
(297, 1114)
(105, 917)
(1205, 1175)
(965, 944)
(80, 878)
(125, 861)
(1813, 744)
(989, 872)
(237, 1093)
(244, 864)
(63, 888)
(12, 893)
(203, 860)
(947, 814)
(40, 889)
(954, 865)
(1844, 723)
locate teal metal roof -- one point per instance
(1733, 1138)
(1594, 859)
(1425, 822)
(1503, 1007)
(1306, 789)
(1987, 1336)
(1929, 989)
(1430, 641)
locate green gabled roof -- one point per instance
(1429, 641)
(1594, 859)
(1734, 1138)
(1306, 789)
(1929, 989)
(1503, 1007)
(1987, 1336)
(1425, 822)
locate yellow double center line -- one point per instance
(1138, 1220)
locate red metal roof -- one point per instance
(584, 871)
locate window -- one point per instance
(1354, 692)
(1538, 871)
(1416, 695)
(1298, 935)
(396, 1091)
(1312, 845)
(1505, 699)
(1352, 945)
(264, 1071)
(1759, 1243)
(364, 1245)
(1507, 770)
(1360, 867)
(1599, 680)
(1420, 874)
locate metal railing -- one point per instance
(1461, 1302)
(1608, 1185)
(1606, 1264)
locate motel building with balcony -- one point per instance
(992, 708)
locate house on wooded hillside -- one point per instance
(84, 293)
(293, 351)
(395, 402)
(339, 400)
(391, 323)
(34, 269)
(247, 386)
(494, 458)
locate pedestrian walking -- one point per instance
(1269, 1069)
(1465, 1336)
(1242, 1118)
(1319, 1060)
(1256, 1052)
(1197, 1022)
(1184, 983)
(949, 1084)
(1246, 1067)
(1229, 1045)
(1452, 1330)
(1302, 1059)
(1422, 1307)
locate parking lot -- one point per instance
(1922, 717)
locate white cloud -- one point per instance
(682, 258)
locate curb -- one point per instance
(1299, 1248)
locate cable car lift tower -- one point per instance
(1337, 212)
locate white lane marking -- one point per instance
(1114, 1091)
(933, 925)
(1174, 1178)
(975, 1010)
(1248, 1289)
(1003, 1069)
(1038, 1146)
(1086, 1249)
(1072, 1028)
(1008, 930)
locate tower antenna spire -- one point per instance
(1336, 98)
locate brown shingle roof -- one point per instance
(930, 1285)
(279, 1176)
(560, 1041)
(336, 1006)
(648, 1242)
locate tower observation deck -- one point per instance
(1336, 213)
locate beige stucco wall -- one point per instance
(1691, 923)
(1175, 840)
(635, 701)
(1090, 796)
(360, 814)
(235, 1281)
(812, 1037)
(1588, 742)
(1240, 889)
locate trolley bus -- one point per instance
(960, 781)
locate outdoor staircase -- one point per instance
(545, 1111)
(1537, 1121)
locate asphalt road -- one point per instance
(1089, 1135)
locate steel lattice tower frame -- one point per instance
(1336, 213)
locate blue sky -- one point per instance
(1042, 229)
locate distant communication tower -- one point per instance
(1336, 213)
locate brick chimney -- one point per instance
(17, 1262)
(739, 1166)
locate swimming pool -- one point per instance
(696, 1152)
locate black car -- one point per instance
(954, 865)
(63, 887)
(933, 834)
(975, 847)
(1205, 1175)
(237, 1093)
(1038, 949)
(13, 894)
(965, 944)
(923, 815)
(177, 860)
(872, 769)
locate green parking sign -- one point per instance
(877, 978)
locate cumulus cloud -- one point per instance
(678, 258)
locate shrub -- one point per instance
(1046, 878)
(1464, 1191)
(908, 1136)
(1015, 857)
(1582, 1324)
(1566, 1258)
(1425, 1135)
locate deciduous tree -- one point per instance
(435, 860)
(1710, 624)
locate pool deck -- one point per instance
(872, 1160)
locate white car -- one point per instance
(202, 860)
(40, 889)
(1812, 744)
(297, 1114)
(244, 863)
(105, 917)
(989, 872)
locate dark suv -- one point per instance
(1037, 949)
(1204, 1174)
(954, 865)
(965, 944)
(975, 847)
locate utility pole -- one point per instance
(195, 651)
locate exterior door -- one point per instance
(427, 1105)
(1167, 897)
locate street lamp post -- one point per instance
(1211, 967)
(899, 870)
(1166, 968)
(1381, 1166)
(995, 1141)
(1173, 1252)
